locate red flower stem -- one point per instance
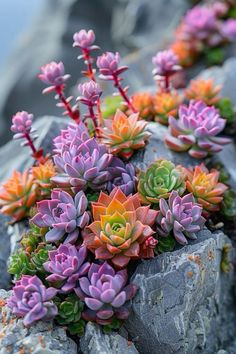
(167, 83)
(37, 154)
(92, 115)
(88, 61)
(123, 94)
(73, 115)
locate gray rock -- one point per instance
(184, 302)
(4, 251)
(95, 342)
(42, 338)
(18, 158)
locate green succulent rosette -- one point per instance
(159, 180)
(20, 264)
(69, 310)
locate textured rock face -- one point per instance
(4, 252)
(184, 304)
(42, 338)
(95, 342)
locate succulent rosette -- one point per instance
(73, 135)
(18, 195)
(124, 134)
(206, 188)
(83, 166)
(143, 103)
(159, 180)
(196, 130)
(165, 63)
(180, 215)
(120, 225)
(123, 176)
(166, 104)
(53, 74)
(63, 214)
(203, 90)
(184, 51)
(105, 294)
(32, 300)
(66, 265)
(43, 174)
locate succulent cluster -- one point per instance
(91, 211)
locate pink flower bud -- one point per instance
(84, 39)
(53, 74)
(165, 63)
(108, 64)
(21, 123)
(90, 92)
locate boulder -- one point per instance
(184, 304)
(5, 249)
(43, 337)
(95, 342)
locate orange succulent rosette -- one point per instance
(166, 104)
(120, 225)
(143, 103)
(203, 90)
(205, 187)
(18, 194)
(123, 134)
(42, 175)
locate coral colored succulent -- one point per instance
(184, 51)
(159, 180)
(143, 103)
(66, 265)
(120, 225)
(123, 176)
(166, 104)
(63, 214)
(147, 247)
(105, 293)
(206, 188)
(182, 216)
(73, 135)
(32, 300)
(83, 166)
(203, 90)
(196, 130)
(124, 134)
(42, 175)
(17, 195)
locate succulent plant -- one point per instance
(17, 195)
(39, 257)
(196, 130)
(73, 135)
(165, 244)
(203, 90)
(42, 175)
(228, 206)
(32, 300)
(66, 265)
(124, 134)
(143, 103)
(53, 74)
(123, 176)
(206, 188)
(108, 64)
(159, 180)
(84, 166)
(166, 104)
(226, 110)
(64, 214)
(69, 310)
(84, 39)
(20, 264)
(22, 124)
(228, 29)
(184, 51)
(90, 93)
(147, 247)
(180, 215)
(105, 293)
(120, 225)
(165, 63)
(32, 237)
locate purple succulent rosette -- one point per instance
(123, 176)
(196, 130)
(199, 23)
(32, 300)
(22, 124)
(63, 214)
(228, 29)
(165, 63)
(90, 93)
(83, 166)
(105, 293)
(180, 215)
(66, 265)
(84, 40)
(74, 135)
